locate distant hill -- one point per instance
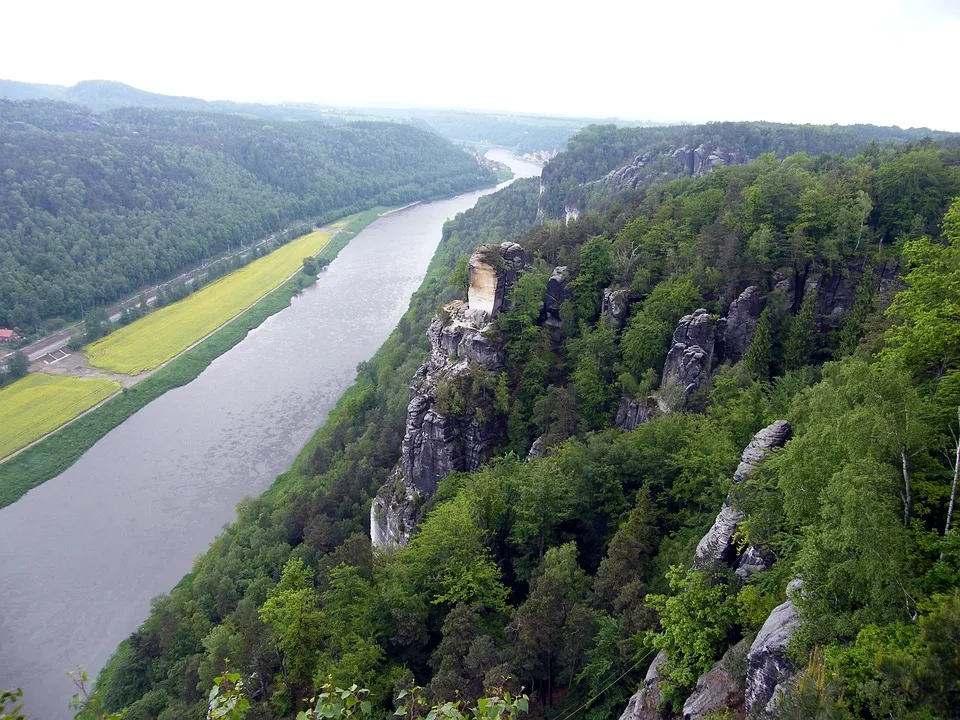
(94, 205)
(523, 133)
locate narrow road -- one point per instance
(59, 339)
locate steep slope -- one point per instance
(93, 206)
(569, 572)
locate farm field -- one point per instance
(40, 403)
(165, 333)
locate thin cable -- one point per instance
(609, 685)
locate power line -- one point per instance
(607, 687)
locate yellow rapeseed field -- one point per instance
(39, 403)
(165, 333)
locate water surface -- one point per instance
(82, 555)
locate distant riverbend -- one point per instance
(83, 554)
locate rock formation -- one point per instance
(633, 413)
(616, 305)
(691, 355)
(717, 545)
(773, 436)
(717, 690)
(436, 443)
(645, 702)
(740, 323)
(768, 668)
(558, 291)
(753, 560)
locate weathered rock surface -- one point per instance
(740, 323)
(538, 448)
(775, 435)
(558, 291)
(753, 560)
(691, 355)
(645, 702)
(768, 668)
(716, 547)
(633, 413)
(717, 690)
(616, 305)
(683, 161)
(462, 336)
(393, 513)
(493, 269)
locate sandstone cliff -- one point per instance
(450, 425)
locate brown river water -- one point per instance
(82, 555)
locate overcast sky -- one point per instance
(823, 61)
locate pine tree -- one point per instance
(756, 362)
(800, 343)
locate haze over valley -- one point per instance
(502, 361)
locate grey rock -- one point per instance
(557, 290)
(741, 322)
(753, 560)
(716, 547)
(771, 437)
(394, 513)
(767, 664)
(717, 690)
(463, 335)
(691, 356)
(645, 703)
(538, 448)
(616, 304)
(633, 413)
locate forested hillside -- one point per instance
(826, 290)
(94, 205)
(602, 160)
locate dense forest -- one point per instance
(93, 206)
(567, 570)
(665, 153)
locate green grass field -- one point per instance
(167, 332)
(40, 403)
(54, 454)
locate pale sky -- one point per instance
(887, 62)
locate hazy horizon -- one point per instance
(883, 62)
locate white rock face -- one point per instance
(483, 286)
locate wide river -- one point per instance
(82, 555)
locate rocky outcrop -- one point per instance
(463, 337)
(615, 306)
(493, 268)
(538, 448)
(775, 435)
(633, 413)
(645, 703)
(768, 668)
(753, 560)
(683, 161)
(691, 355)
(558, 291)
(716, 547)
(718, 690)
(740, 323)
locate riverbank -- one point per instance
(55, 451)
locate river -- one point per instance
(82, 555)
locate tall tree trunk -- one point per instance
(953, 488)
(906, 488)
